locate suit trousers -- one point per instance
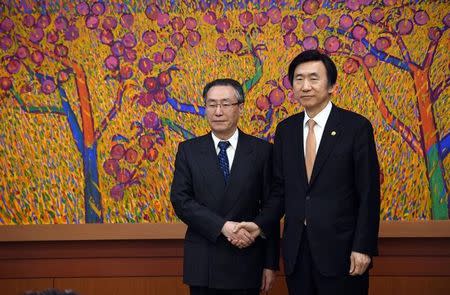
(194, 290)
(307, 280)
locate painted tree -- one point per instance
(397, 22)
(367, 40)
(28, 56)
(46, 41)
(138, 64)
(136, 93)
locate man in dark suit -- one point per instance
(222, 178)
(326, 182)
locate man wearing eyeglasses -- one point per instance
(222, 178)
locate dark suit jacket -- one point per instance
(341, 203)
(203, 201)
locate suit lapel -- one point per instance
(299, 149)
(209, 164)
(329, 140)
(242, 162)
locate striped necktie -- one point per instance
(223, 159)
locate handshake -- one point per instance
(241, 234)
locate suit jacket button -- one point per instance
(308, 197)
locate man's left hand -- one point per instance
(358, 263)
(268, 278)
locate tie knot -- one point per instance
(223, 145)
(311, 123)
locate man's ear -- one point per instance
(332, 89)
(241, 108)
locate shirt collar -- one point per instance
(232, 140)
(321, 118)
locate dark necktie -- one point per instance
(223, 159)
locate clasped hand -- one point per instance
(241, 234)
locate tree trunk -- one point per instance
(435, 170)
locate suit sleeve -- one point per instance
(272, 250)
(197, 216)
(273, 207)
(367, 182)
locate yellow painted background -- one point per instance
(41, 175)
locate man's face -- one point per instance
(310, 85)
(222, 110)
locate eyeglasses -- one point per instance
(224, 105)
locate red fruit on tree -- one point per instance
(146, 142)
(117, 151)
(246, 18)
(350, 66)
(193, 38)
(5, 83)
(262, 103)
(276, 97)
(261, 18)
(131, 156)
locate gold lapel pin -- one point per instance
(333, 133)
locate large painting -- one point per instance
(96, 96)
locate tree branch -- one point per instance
(113, 111)
(381, 55)
(82, 90)
(436, 92)
(177, 128)
(444, 146)
(186, 108)
(432, 46)
(36, 109)
(249, 83)
(77, 134)
(404, 131)
(401, 44)
(398, 39)
(66, 108)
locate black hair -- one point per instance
(314, 55)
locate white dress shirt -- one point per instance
(231, 150)
(320, 119)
